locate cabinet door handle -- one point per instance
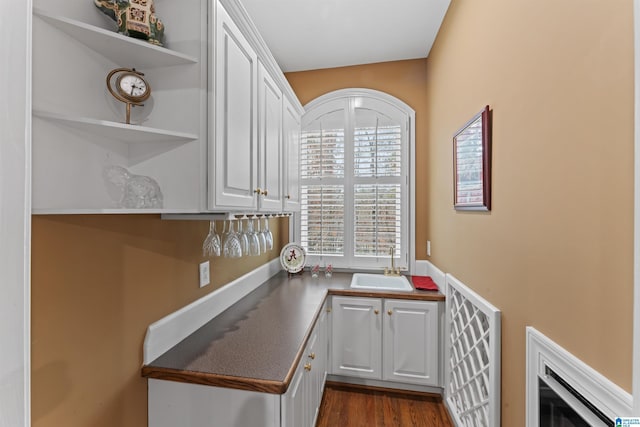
(376, 311)
(307, 367)
(258, 191)
(312, 356)
(389, 312)
(288, 196)
(265, 192)
(329, 310)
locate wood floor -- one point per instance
(346, 406)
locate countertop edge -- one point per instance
(217, 380)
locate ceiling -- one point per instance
(314, 34)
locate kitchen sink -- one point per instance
(380, 282)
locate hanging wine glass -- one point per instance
(254, 241)
(261, 239)
(268, 236)
(211, 245)
(232, 247)
(243, 235)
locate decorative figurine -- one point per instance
(328, 271)
(315, 271)
(135, 18)
(132, 191)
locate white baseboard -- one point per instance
(384, 384)
(173, 328)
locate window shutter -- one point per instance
(322, 219)
(377, 155)
(355, 183)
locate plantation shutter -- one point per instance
(322, 173)
(377, 184)
(354, 184)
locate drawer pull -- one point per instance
(312, 356)
(389, 312)
(307, 367)
(376, 311)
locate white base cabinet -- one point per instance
(357, 337)
(301, 403)
(386, 339)
(410, 342)
(174, 404)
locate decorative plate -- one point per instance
(292, 258)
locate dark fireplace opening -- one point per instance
(556, 412)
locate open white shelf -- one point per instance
(120, 131)
(122, 211)
(116, 47)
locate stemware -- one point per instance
(268, 236)
(254, 240)
(232, 247)
(211, 245)
(243, 235)
(261, 239)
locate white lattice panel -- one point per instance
(472, 383)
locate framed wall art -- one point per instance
(472, 164)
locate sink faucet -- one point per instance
(393, 271)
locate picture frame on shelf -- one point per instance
(472, 164)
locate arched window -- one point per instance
(356, 149)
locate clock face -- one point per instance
(132, 86)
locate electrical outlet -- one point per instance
(205, 277)
(428, 247)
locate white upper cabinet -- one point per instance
(270, 175)
(233, 118)
(249, 123)
(86, 159)
(291, 127)
(209, 137)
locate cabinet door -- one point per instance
(357, 340)
(318, 357)
(294, 402)
(270, 147)
(291, 131)
(411, 341)
(233, 165)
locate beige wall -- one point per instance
(556, 250)
(97, 283)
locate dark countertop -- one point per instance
(257, 343)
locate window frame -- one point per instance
(349, 100)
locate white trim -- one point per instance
(609, 398)
(636, 216)
(173, 328)
(15, 213)
(384, 384)
(412, 192)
